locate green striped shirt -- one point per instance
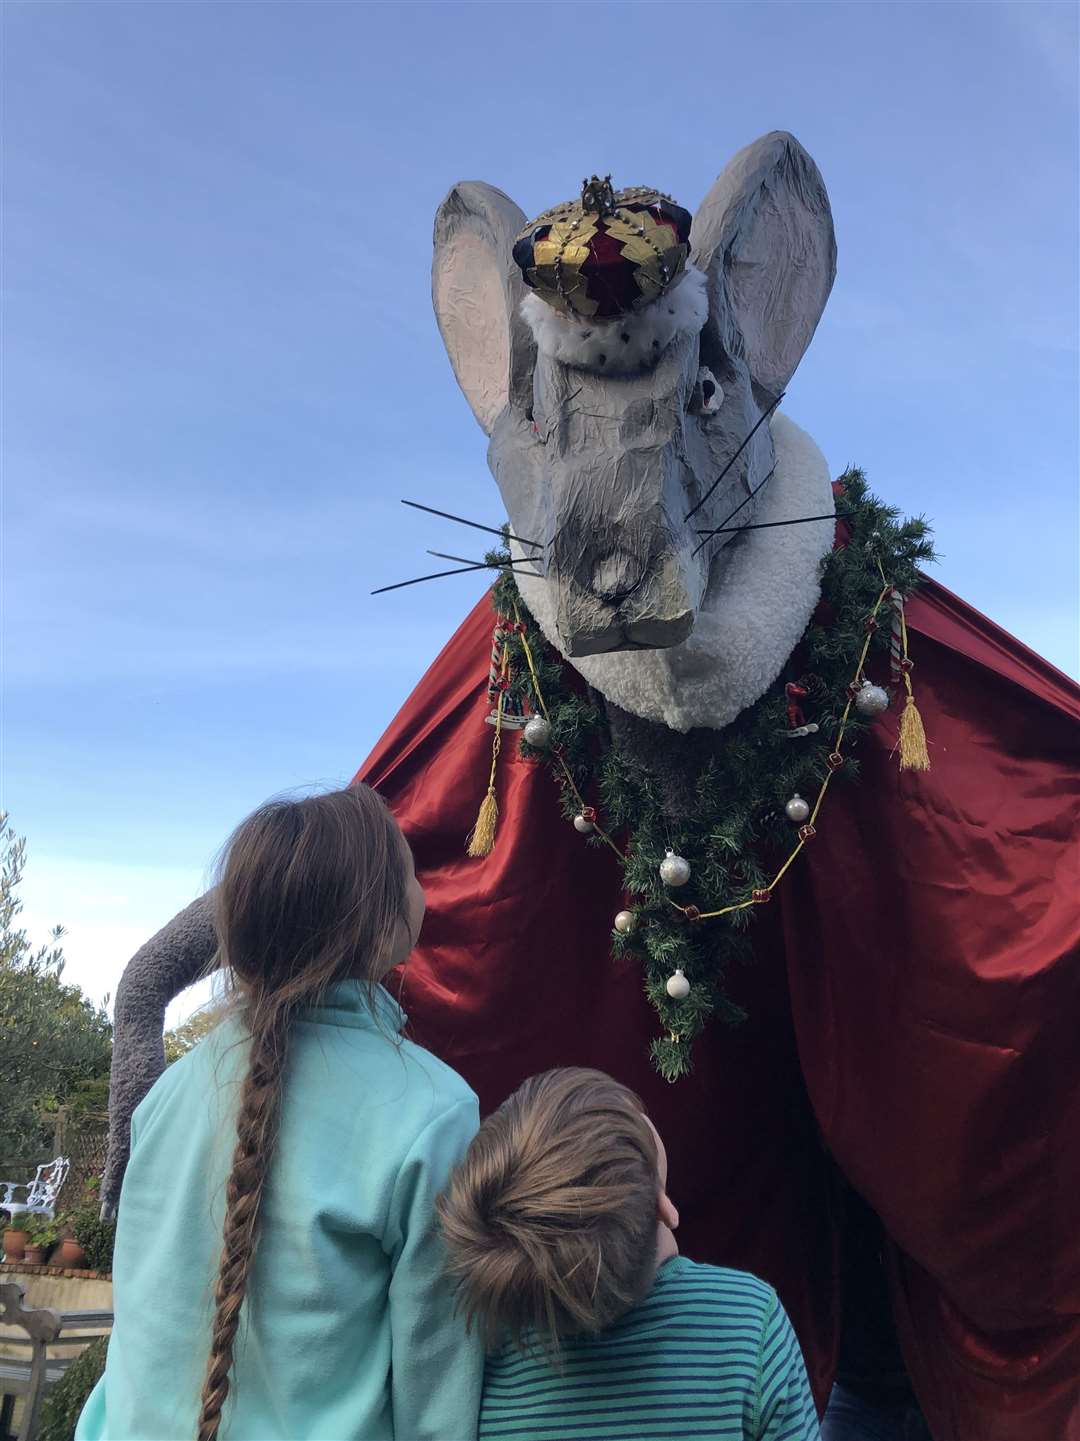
(708, 1353)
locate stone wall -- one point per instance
(36, 1279)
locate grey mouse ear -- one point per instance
(764, 237)
(477, 291)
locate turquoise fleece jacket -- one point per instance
(348, 1332)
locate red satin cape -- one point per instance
(914, 1008)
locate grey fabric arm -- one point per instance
(180, 953)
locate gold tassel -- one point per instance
(914, 755)
(481, 840)
(482, 835)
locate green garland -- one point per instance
(738, 830)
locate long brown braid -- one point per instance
(310, 892)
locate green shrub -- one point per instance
(94, 1235)
(62, 1407)
(41, 1231)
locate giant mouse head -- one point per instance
(620, 356)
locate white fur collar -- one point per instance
(629, 342)
(754, 613)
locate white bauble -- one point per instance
(538, 733)
(674, 870)
(871, 699)
(678, 987)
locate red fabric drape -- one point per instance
(913, 1006)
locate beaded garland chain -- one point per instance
(738, 840)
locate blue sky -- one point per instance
(221, 370)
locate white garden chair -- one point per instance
(41, 1192)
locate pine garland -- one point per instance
(737, 828)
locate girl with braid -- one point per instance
(278, 1274)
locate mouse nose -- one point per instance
(617, 575)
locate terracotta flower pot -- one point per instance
(70, 1254)
(34, 1255)
(14, 1244)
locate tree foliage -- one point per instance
(55, 1044)
(64, 1404)
(189, 1033)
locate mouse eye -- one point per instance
(708, 393)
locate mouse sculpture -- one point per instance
(650, 742)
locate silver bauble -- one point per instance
(538, 733)
(797, 810)
(871, 699)
(678, 987)
(626, 923)
(674, 870)
(583, 825)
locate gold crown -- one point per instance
(607, 254)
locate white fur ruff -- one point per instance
(754, 613)
(629, 342)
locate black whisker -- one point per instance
(760, 421)
(734, 513)
(491, 529)
(466, 560)
(438, 575)
(760, 486)
(769, 524)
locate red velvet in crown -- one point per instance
(610, 275)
